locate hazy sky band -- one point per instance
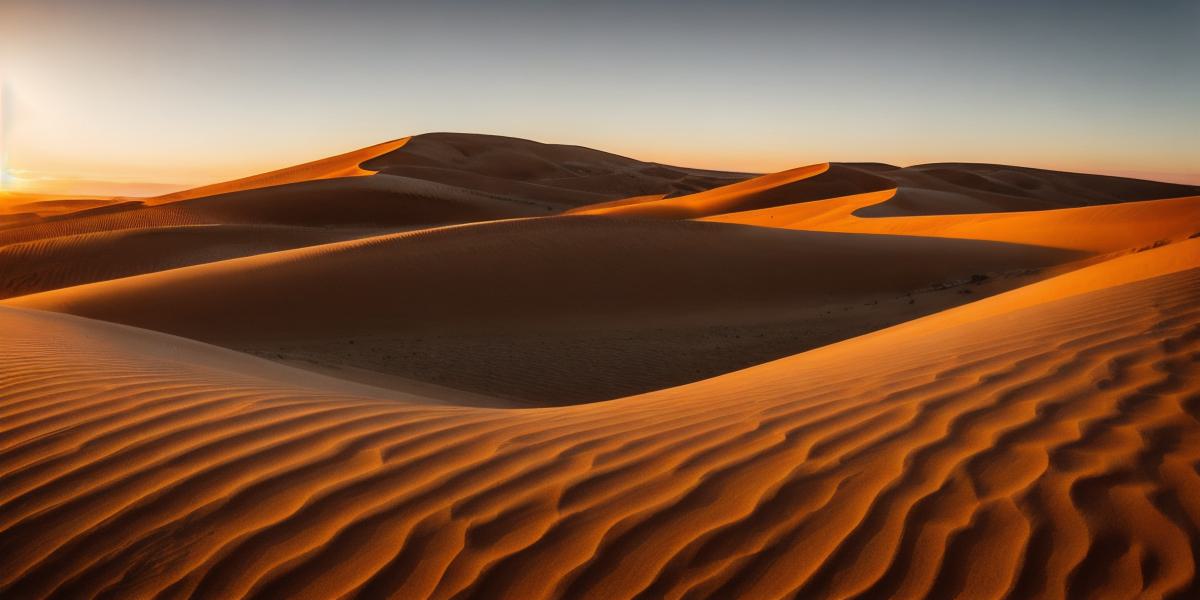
(188, 92)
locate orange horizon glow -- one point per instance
(49, 183)
(139, 98)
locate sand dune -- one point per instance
(920, 190)
(1097, 229)
(379, 203)
(1044, 446)
(472, 307)
(562, 175)
(71, 260)
(535, 370)
(426, 180)
(342, 165)
(42, 205)
(469, 307)
(955, 188)
(22, 208)
(813, 182)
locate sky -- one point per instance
(139, 97)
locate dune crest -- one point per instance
(717, 200)
(1099, 229)
(342, 165)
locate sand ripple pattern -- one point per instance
(1049, 452)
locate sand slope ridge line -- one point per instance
(342, 165)
(759, 189)
(1098, 229)
(923, 190)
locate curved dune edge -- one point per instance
(70, 260)
(1098, 229)
(342, 165)
(1043, 450)
(1161, 262)
(605, 207)
(716, 200)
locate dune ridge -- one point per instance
(562, 175)
(71, 260)
(415, 182)
(342, 165)
(1098, 229)
(922, 190)
(1045, 448)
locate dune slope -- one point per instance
(1097, 229)
(946, 189)
(342, 165)
(66, 261)
(562, 175)
(422, 181)
(563, 309)
(1041, 443)
(959, 188)
(802, 184)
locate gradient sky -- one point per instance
(144, 92)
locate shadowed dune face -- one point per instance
(964, 188)
(564, 175)
(423, 181)
(1098, 229)
(556, 310)
(1006, 188)
(66, 261)
(1042, 445)
(956, 189)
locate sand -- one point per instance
(342, 165)
(471, 307)
(1034, 450)
(410, 183)
(1097, 229)
(919, 190)
(835, 381)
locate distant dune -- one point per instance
(562, 176)
(1105, 228)
(70, 260)
(465, 366)
(920, 190)
(342, 165)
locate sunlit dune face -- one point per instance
(1095, 228)
(700, 204)
(342, 165)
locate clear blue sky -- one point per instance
(140, 91)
